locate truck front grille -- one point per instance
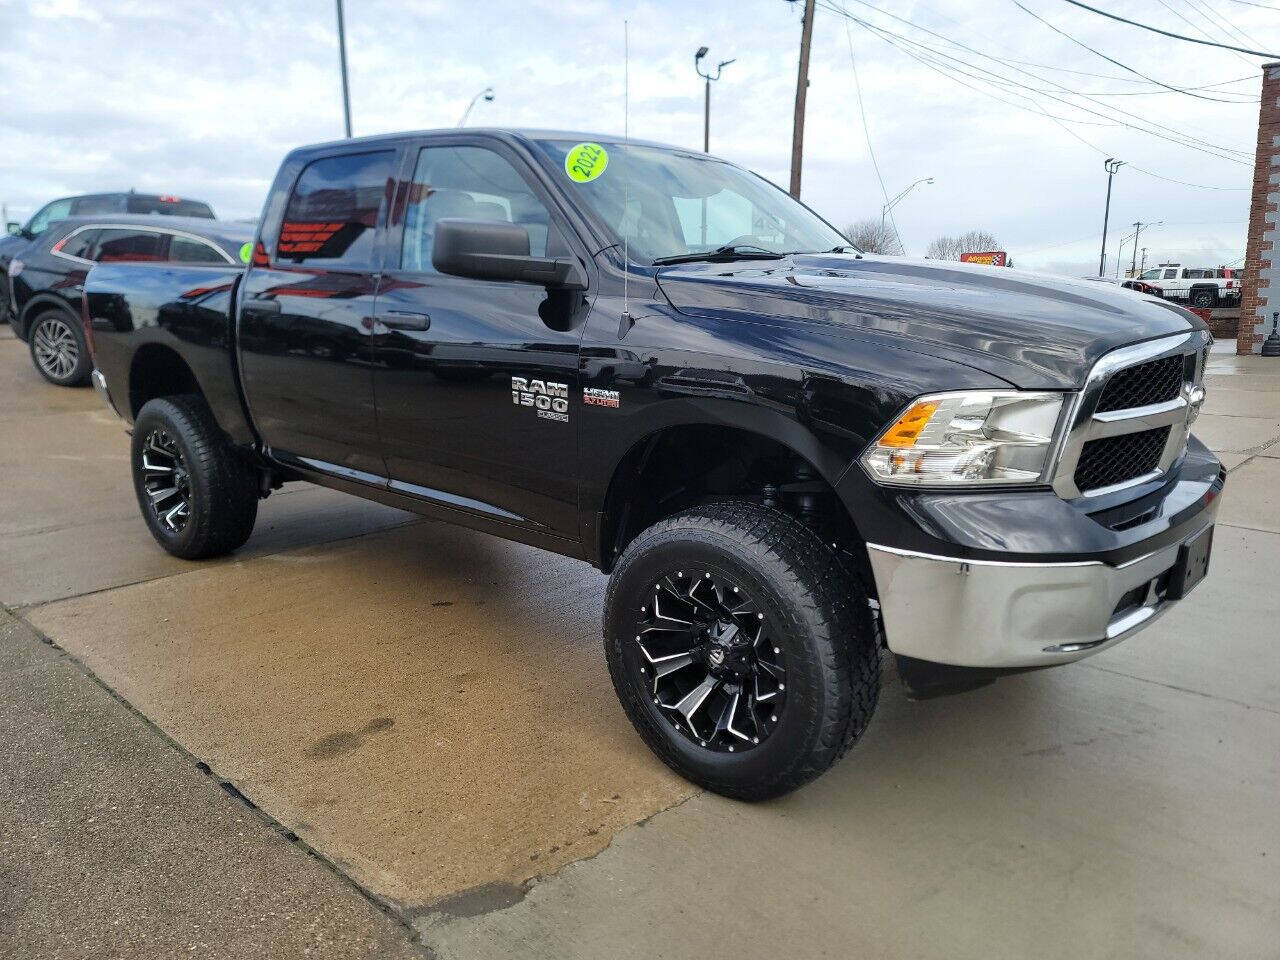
(1157, 381)
(1113, 460)
(1133, 416)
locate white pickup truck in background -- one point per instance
(1200, 286)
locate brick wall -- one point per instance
(1261, 266)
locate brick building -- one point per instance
(1262, 253)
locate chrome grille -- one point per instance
(1157, 381)
(1133, 417)
(1115, 460)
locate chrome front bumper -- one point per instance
(100, 388)
(980, 613)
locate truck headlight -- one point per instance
(968, 437)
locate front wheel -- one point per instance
(59, 350)
(741, 648)
(197, 496)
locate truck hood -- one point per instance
(1032, 330)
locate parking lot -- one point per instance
(422, 718)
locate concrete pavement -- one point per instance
(427, 709)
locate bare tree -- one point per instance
(950, 248)
(875, 236)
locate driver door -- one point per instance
(476, 381)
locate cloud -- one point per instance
(157, 96)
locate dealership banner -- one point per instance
(992, 258)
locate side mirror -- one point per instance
(13, 228)
(497, 250)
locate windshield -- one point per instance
(668, 203)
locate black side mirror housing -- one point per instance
(497, 250)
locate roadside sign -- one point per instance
(992, 258)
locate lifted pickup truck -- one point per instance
(789, 455)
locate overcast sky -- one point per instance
(203, 99)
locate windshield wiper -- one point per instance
(721, 255)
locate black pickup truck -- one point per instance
(789, 455)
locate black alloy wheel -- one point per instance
(197, 493)
(703, 650)
(58, 349)
(742, 648)
(166, 482)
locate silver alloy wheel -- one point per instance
(165, 481)
(55, 347)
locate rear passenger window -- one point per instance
(333, 212)
(87, 206)
(471, 183)
(79, 244)
(124, 245)
(187, 250)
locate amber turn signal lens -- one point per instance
(909, 426)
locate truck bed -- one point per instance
(168, 320)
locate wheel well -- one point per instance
(158, 371)
(38, 304)
(680, 467)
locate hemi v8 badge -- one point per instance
(596, 397)
(550, 399)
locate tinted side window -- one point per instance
(186, 250)
(119, 245)
(1171, 274)
(79, 244)
(333, 213)
(172, 206)
(58, 210)
(86, 206)
(471, 183)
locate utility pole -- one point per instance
(1144, 260)
(342, 59)
(1111, 165)
(802, 89)
(706, 103)
(1137, 232)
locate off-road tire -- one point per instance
(822, 620)
(54, 323)
(223, 499)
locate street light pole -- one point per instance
(706, 103)
(342, 59)
(486, 93)
(1111, 165)
(884, 211)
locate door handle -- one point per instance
(405, 320)
(261, 305)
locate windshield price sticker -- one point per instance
(586, 162)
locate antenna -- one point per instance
(626, 183)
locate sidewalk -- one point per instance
(113, 843)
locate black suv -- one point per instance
(17, 236)
(46, 280)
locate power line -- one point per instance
(1260, 6)
(1166, 33)
(1178, 137)
(866, 130)
(1123, 66)
(1036, 108)
(1229, 29)
(1195, 26)
(1065, 90)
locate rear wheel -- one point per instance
(198, 497)
(1204, 298)
(742, 650)
(58, 349)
